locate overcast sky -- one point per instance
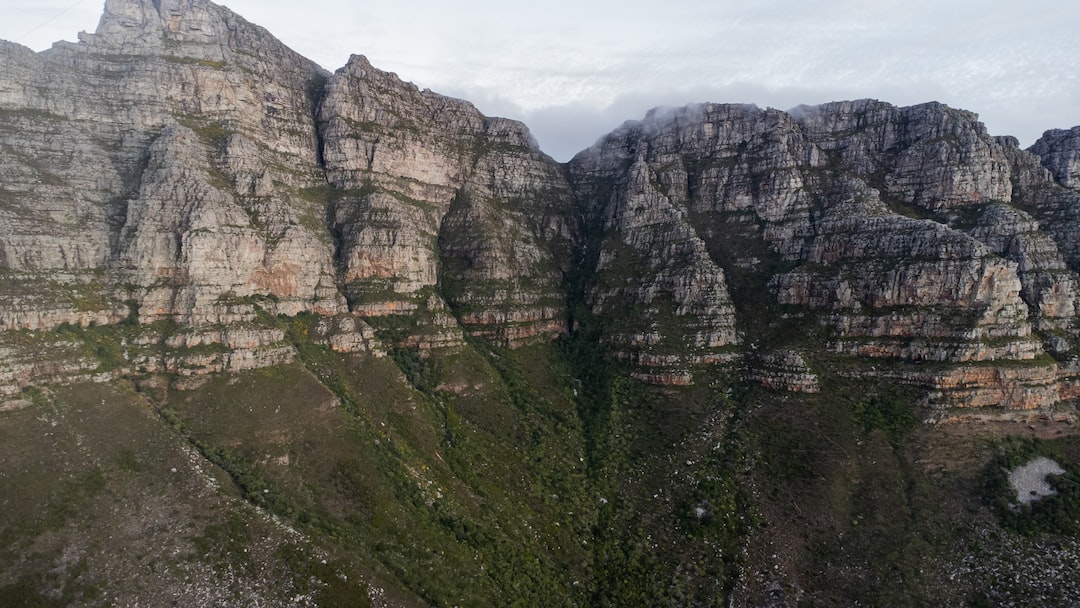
(575, 69)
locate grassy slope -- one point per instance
(104, 505)
(859, 503)
(487, 477)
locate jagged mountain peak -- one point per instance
(388, 89)
(457, 372)
(1059, 150)
(152, 26)
(196, 30)
(376, 180)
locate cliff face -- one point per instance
(434, 204)
(182, 136)
(178, 143)
(457, 372)
(182, 165)
(898, 231)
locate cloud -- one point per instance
(39, 24)
(563, 130)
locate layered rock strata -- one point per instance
(182, 136)
(182, 165)
(908, 234)
(1059, 150)
(183, 173)
(427, 192)
(784, 370)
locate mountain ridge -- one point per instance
(353, 331)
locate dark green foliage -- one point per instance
(720, 508)
(224, 543)
(420, 372)
(892, 413)
(489, 511)
(543, 476)
(252, 484)
(98, 343)
(659, 538)
(127, 461)
(68, 499)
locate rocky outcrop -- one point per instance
(21, 365)
(663, 300)
(185, 199)
(198, 252)
(784, 370)
(181, 164)
(183, 172)
(1044, 189)
(1059, 150)
(184, 137)
(930, 156)
(347, 334)
(426, 191)
(908, 234)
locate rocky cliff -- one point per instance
(897, 234)
(349, 331)
(181, 165)
(433, 205)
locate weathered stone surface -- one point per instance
(183, 136)
(427, 190)
(928, 155)
(667, 298)
(1059, 150)
(784, 370)
(21, 364)
(183, 196)
(174, 165)
(182, 166)
(908, 233)
(41, 300)
(347, 334)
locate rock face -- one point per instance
(183, 172)
(183, 137)
(170, 167)
(897, 231)
(1060, 153)
(426, 190)
(255, 321)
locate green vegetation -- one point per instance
(890, 413)
(214, 135)
(546, 475)
(324, 580)
(11, 115)
(396, 485)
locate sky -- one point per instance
(573, 70)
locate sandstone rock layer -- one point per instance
(182, 177)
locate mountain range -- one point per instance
(276, 336)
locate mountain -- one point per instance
(275, 336)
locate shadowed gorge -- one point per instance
(276, 336)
